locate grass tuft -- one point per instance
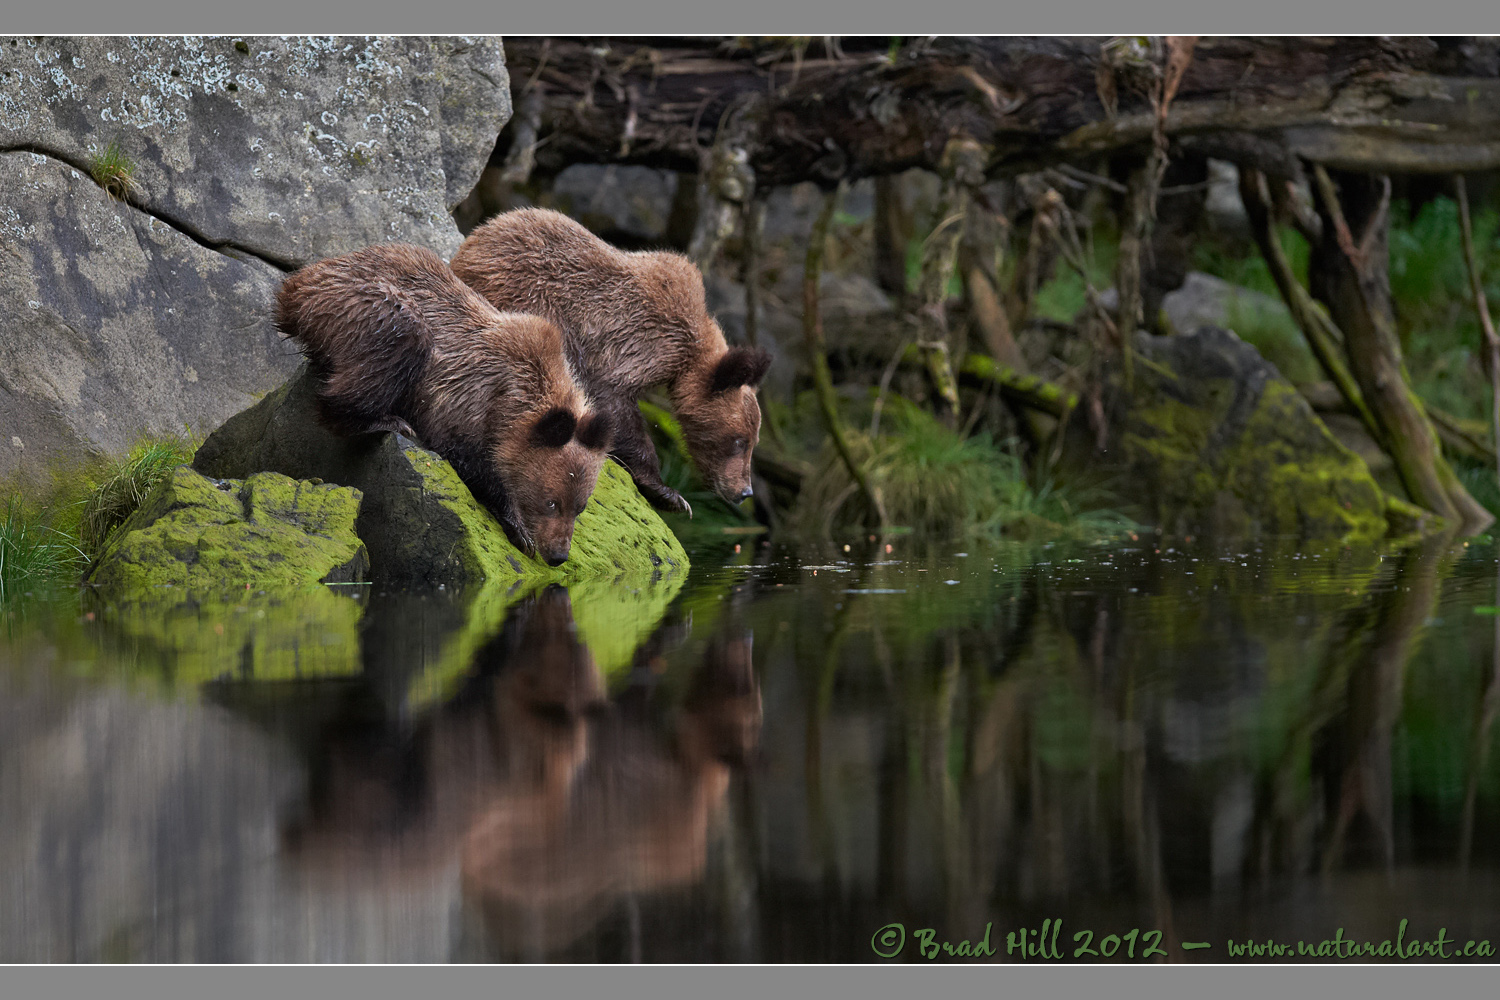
(113, 171)
(33, 554)
(121, 490)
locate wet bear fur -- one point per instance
(630, 321)
(400, 344)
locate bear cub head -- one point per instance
(721, 419)
(551, 469)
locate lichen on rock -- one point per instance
(268, 532)
(290, 148)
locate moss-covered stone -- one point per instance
(1215, 442)
(268, 533)
(420, 522)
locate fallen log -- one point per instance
(835, 109)
(1028, 390)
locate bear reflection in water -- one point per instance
(556, 802)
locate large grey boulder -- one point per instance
(1206, 300)
(290, 149)
(113, 324)
(151, 315)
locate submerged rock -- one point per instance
(268, 532)
(1213, 441)
(420, 522)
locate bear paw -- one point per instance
(667, 499)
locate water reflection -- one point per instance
(797, 752)
(555, 802)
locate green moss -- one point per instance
(617, 537)
(268, 532)
(622, 573)
(485, 608)
(1282, 473)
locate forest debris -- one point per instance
(817, 351)
(1355, 287)
(1322, 335)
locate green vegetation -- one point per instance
(1274, 334)
(1435, 313)
(1239, 263)
(112, 170)
(713, 524)
(125, 486)
(934, 481)
(33, 554)
(1480, 481)
(52, 529)
(1062, 297)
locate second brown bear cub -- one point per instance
(630, 321)
(397, 340)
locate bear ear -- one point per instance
(554, 428)
(594, 431)
(741, 366)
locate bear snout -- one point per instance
(733, 493)
(556, 557)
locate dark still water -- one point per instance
(777, 759)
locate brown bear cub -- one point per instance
(400, 344)
(630, 321)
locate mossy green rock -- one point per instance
(420, 522)
(268, 532)
(1212, 441)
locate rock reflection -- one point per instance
(557, 802)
